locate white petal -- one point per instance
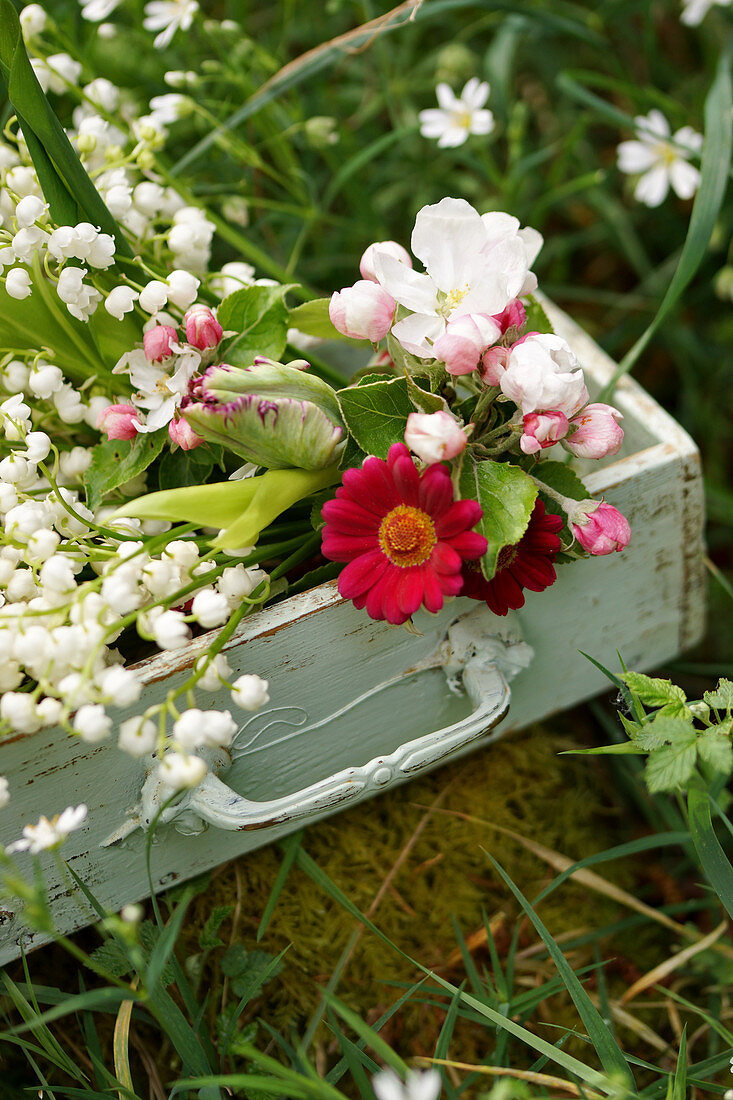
(685, 178)
(653, 186)
(418, 333)
(433, 122)
(695, 11)
(687, 138)
(409, 288)
(654, 123)
(482, 122)
(533, 242)
(452, 137)
(475, 93)
(446, 238)
(635, 156)
(446, 97)
(387, 1086)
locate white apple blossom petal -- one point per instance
(418, 333)
(447, 237)
(409, 288)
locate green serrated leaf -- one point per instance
(653, 692)
(424, 400)
(665, 731)
(716, 750)
(259, 317)
(111, 957)
(312, 318)
(632, 728)
(671, 766)
(119, 460)
(352, 455)
(722, 697)
(507, 496)
(208, 936)
(249, 970)
(376, 414)
(563, 479)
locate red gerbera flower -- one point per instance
(529, 564)
(402, 534)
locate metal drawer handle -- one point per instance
(479, 661)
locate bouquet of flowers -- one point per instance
(129, 365)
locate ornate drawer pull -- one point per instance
(476, 661)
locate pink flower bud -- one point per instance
(599, 527)
(391, 248)
(596, 432)
(493, 364)
(119, 421)
(203, 331)
(363, 311)
(183, 434)
(543, 430)
(157, 342)
(434, 437)
(461, 345)
(513, 316)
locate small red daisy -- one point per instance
(402, 534)
(528, 564)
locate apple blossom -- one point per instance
(474, 264)
(461, 345)
(157, 342)
(181, 432)
(595, 432)
(434, 437)
(119, 421)
(203, 330)
(363, 311)
(542, 430)
(389, 248)
(543, 373)
(599, 527)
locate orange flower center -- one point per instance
(407, 536)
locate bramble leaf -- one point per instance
(653, 692)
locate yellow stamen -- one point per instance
(407, 536)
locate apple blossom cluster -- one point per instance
(491, 397)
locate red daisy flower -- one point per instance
(402, 534)
(529, 564)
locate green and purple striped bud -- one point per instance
(273, 414)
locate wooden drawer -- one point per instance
(360, 706)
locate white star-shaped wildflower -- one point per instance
(660, 160)
(49, 834)
(457, 116)
(167, 17)
(694, 11)
(425, 1085)
(97, 10)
